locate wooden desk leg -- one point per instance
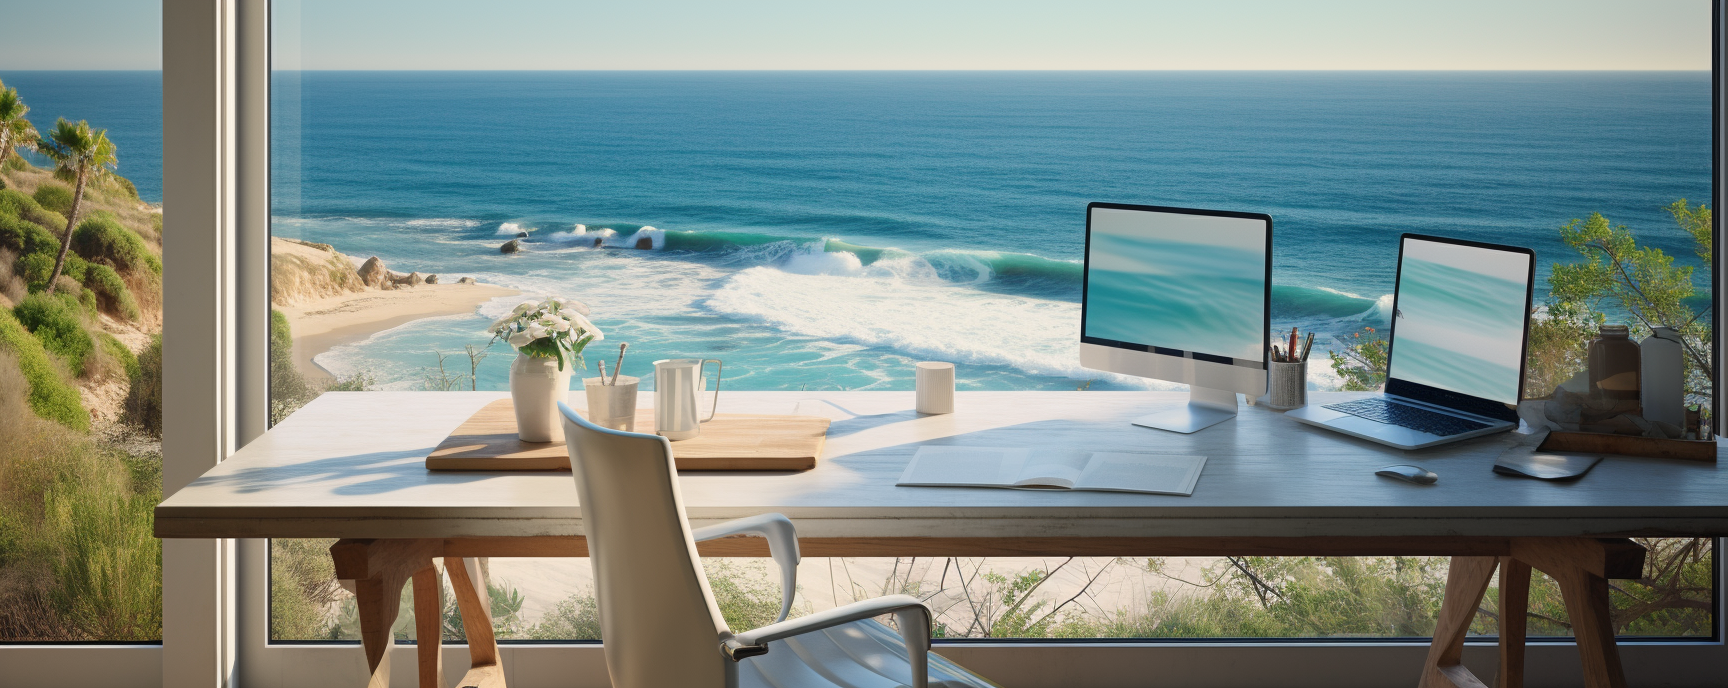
(1586, 598)
(1514, 605)
(379, 569)
(469, 582)
(1466, 582)
(1582, 567)
(378, 599)
(429, 627)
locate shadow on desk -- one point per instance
(393, 471)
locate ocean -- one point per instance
(128, 104)
(825, 230)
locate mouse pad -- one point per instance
(1527, 462)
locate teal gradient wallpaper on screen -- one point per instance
(1460, 319)
(1190, 282)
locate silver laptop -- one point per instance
(1455, 367)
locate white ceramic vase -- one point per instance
(536, 387)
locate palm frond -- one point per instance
(78, 150)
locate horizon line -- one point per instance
(1040, 70)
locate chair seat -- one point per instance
(861, 654)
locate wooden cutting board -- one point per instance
(731, 442)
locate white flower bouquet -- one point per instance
(552, 328)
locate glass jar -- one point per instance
(1615, 364)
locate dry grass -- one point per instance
(132, 212)
(147, 292)
(12, 289)
(77, 557)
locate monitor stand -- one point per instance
(1206, 407)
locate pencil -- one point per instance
(1307, 345)
(1292, 349)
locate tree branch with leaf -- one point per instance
(1641, 282)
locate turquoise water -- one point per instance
(1461, 325)
(826, 230)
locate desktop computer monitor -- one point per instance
(1180, 295)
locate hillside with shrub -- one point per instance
(80, 393)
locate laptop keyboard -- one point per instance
(1406, 416)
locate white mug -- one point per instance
(935, 387)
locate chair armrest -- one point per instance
(910, 614)
(782, 546)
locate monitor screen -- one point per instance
(1459, 321)
(1183, 283)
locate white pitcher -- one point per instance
(677, 382)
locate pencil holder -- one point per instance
(612, 406)
(1287, 385)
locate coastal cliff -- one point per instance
(302, 271)
(328, 299)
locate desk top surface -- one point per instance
(350, 464)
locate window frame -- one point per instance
(215, 592)
(1041, 662)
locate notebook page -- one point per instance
(1052, 470)
(1148, 473)
(964, 466)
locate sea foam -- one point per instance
(903, 305)
(582, 236)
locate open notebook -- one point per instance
(1021, 468)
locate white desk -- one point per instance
(349, 466)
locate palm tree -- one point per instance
(79, 154)
(15, 131)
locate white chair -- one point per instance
(658, 620)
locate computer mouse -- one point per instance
(1410, 474)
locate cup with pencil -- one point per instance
(612, 400)
(1287, 380)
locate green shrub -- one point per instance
(111, 293)
(55, 197)
(16, 163)
(24, 236)
(34, 268)
(50, 397)
(87, 299)
(75, 267)
(302, 588)
(14, 203)
(58, 322)
(289, 390)
(124, 186)
(118, 350)
(2, 183)
(102, 240)
(143, 406)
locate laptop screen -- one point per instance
(1459, 320)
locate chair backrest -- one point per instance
(658, 621)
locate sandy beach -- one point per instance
(322, 324)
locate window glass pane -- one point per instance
(825, 229)
(80, 336)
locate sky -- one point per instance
(906, 34)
